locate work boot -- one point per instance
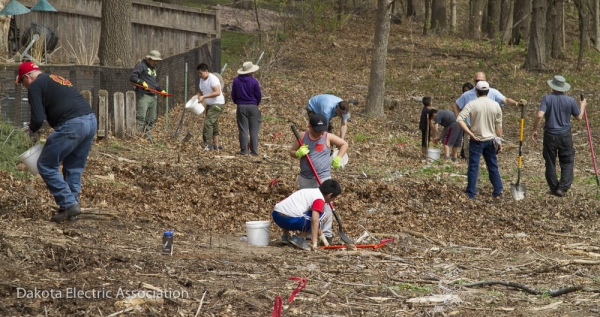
(70, 213)
(560, 193)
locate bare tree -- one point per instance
(506, 20)
(426, 22)
(115, 35)
(596, 26)
(554, 27)
(476, 17)
(376, 94)
(453, 15)
(438, 16)
(536, 52)
(583, 13)
(521, 21)
(493, 19)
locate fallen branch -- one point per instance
(371, 253)
(533, 291)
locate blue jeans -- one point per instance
(485, 148)
(69, 143)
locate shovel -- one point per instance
(341, 233)
(518, 189)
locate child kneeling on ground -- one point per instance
(303, 211)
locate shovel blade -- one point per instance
(518, 191)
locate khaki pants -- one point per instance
(211, 122)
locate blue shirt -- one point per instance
(558, 109)
(471, 95)
(325, 105)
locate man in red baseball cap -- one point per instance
(54, 99)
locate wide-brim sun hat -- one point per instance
(154, 55)
(559, 83)
(247, 68)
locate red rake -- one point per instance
(152, 90)
(360, 246)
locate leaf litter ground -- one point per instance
(134, 190)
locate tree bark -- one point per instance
(416, 9)
(536, 51)
(506, 20)
(376, 93)
(493, 19)
(453, 15)
(426, 22)
(115, 34)
(438, 16)
(596, 12)
(476, 18)
(583, 29)
(554, 40)
(521, 20)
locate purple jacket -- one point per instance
(245, 90)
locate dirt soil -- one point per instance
(134, 190)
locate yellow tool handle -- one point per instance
(522, 129)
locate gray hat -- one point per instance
(559, 83)
(154, 55)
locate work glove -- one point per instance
(145, 85)
(522, 102)
(497, 144)
(337, 162)
(302, 151)
(164, 93)
(313, 247)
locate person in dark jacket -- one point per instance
(245, 93)
(54, 99)
(144, 73)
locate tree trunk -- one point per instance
(5, 26)
(536, 52)
(493, 20)
(438, 16)
(583, 30)
(521, 20)
(506, 21)
(416, 9)
(426, 22)
(115, 33)
(596, 8)
(376, 94)
(554, 27)
(453, 15)
(476, 17)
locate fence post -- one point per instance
(119, 101)
(130, 107)
(103, 127)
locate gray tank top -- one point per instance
(319, 156)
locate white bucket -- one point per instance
(344, 158)
(194, 105)
(258, 232)
(433, 154)
(30, 158)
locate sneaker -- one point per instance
(455, 159)
(329, 240)
(447, 158)
(285, 239)
(560, 193)
(220, 148)
(207, 147)
(300, 243)
(70, 213)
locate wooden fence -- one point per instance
(170, 29)
(123, 121)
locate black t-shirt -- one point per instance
(423, 123)
(54, 99)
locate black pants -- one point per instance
(560, 145)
